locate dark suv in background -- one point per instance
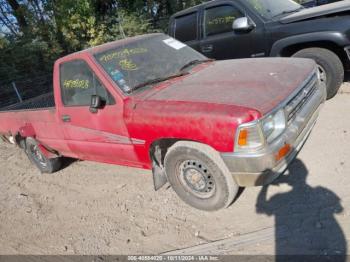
(225, 29)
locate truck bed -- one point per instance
(36, 103)
(36, 115)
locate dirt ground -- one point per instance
(91, 208)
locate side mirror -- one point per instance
(243, 24)
(96, 103)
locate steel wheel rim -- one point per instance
(322, 73)
(197, 178)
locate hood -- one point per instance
(318, 11)
(259, 84)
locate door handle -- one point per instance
(66, 118)
(207, 48)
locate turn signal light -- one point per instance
(243, 137)
(248, 137)
(283, 152)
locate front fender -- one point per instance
(330, 36)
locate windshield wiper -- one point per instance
(195, 62)
(289, 12)
(157, 80)
(162, 79)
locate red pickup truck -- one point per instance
(205, 127)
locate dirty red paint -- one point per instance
(205, 106)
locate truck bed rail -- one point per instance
(39, 102)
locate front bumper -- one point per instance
(262, 167)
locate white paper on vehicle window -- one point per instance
(174, 43)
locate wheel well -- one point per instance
(292, 49)
(20, 141)
(159, 149)
(157, 152)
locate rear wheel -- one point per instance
(329, 65)
(44, 164)
(199, 176)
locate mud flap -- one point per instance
(159, 176)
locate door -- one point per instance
(220, 41)
(99, 136)
(185, 29)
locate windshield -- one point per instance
(144, 60)
(272, 8)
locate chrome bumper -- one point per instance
(261, 167)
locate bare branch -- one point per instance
(6, 21)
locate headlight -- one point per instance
(249, 136)
(274, 125)
(254, 135)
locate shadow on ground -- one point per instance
(305, 221)
(66, 162)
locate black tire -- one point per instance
(215, 187)
(44, 164)
(330, 63)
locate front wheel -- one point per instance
(329, 65)
(44, 164)
(199, 176)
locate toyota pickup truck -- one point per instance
(228, 29)
(205, 127)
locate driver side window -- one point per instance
(78, 83)
(219, 19)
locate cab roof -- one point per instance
(194, 8)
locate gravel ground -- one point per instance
(91, 208)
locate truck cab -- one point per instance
(208, 29)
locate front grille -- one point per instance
(299, 100)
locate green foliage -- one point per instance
(133, 24)
(36, 32)
(78, 25)
(82, 28)
(3, 42)
(21, 59)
